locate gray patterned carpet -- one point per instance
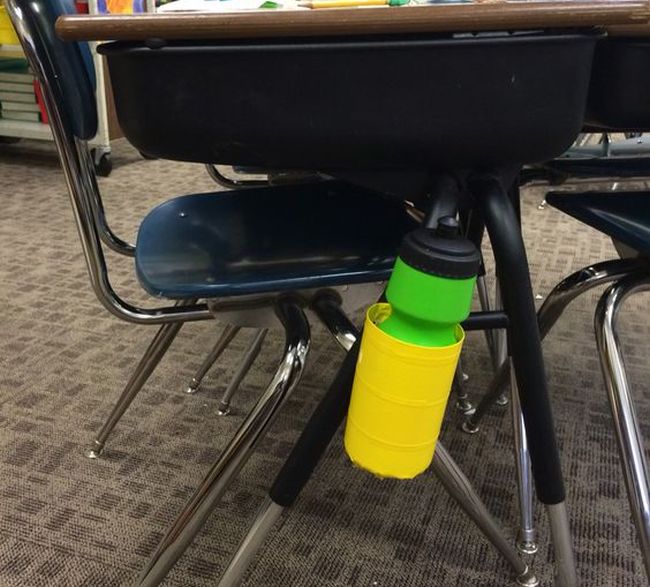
(69, 521)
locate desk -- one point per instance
(635, 31)
(356, 21)
(489, 189)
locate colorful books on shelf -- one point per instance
(20, 97)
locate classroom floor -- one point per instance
(69, 521)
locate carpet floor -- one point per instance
(66, 520)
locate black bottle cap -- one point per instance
(442, 252)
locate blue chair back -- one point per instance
(67, 67)
(66, 73)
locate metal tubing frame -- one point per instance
(268, 514)
(152, 356)
(328, 310)
(553, 307)
(459, 389)
(486, 321)
(217, 350)
(486, 306)
(494, 391)
(196, 512)
(626, 426)
(526, 536)
(460, 489)
(500, 338)
(247, 361)
(233, 184)
(108, 237)
(82, 189)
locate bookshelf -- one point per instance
(11, 51)
(18, 129)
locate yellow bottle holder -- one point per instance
(398, 400)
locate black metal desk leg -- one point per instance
(512, 269)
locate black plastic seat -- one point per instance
(269, 240)
(623, 216)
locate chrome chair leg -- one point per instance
(247, 361)
(310, 446)
(582, 281)
(554, 305)
(526, 541)
(195, 513)
(463, 405)
(329, 312)
(626, 426)
(149, 361)
(219, 347)
(459, 487)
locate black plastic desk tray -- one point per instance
(619, 96)
(413, 102)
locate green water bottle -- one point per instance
(409, 352)
(430, 290)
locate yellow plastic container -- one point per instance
(7, 33)
(398, 401)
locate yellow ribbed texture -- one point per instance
(398, 400)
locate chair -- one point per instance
(167, 332)
(473, 151)
(368, 254)
(625, 217)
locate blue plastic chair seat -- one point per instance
(624, 216)
(269, 239)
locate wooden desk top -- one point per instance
(634, 30)
(356, 21)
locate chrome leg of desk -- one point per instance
(526, 542)
(459, 487)
(565, 566)
(455, 483)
